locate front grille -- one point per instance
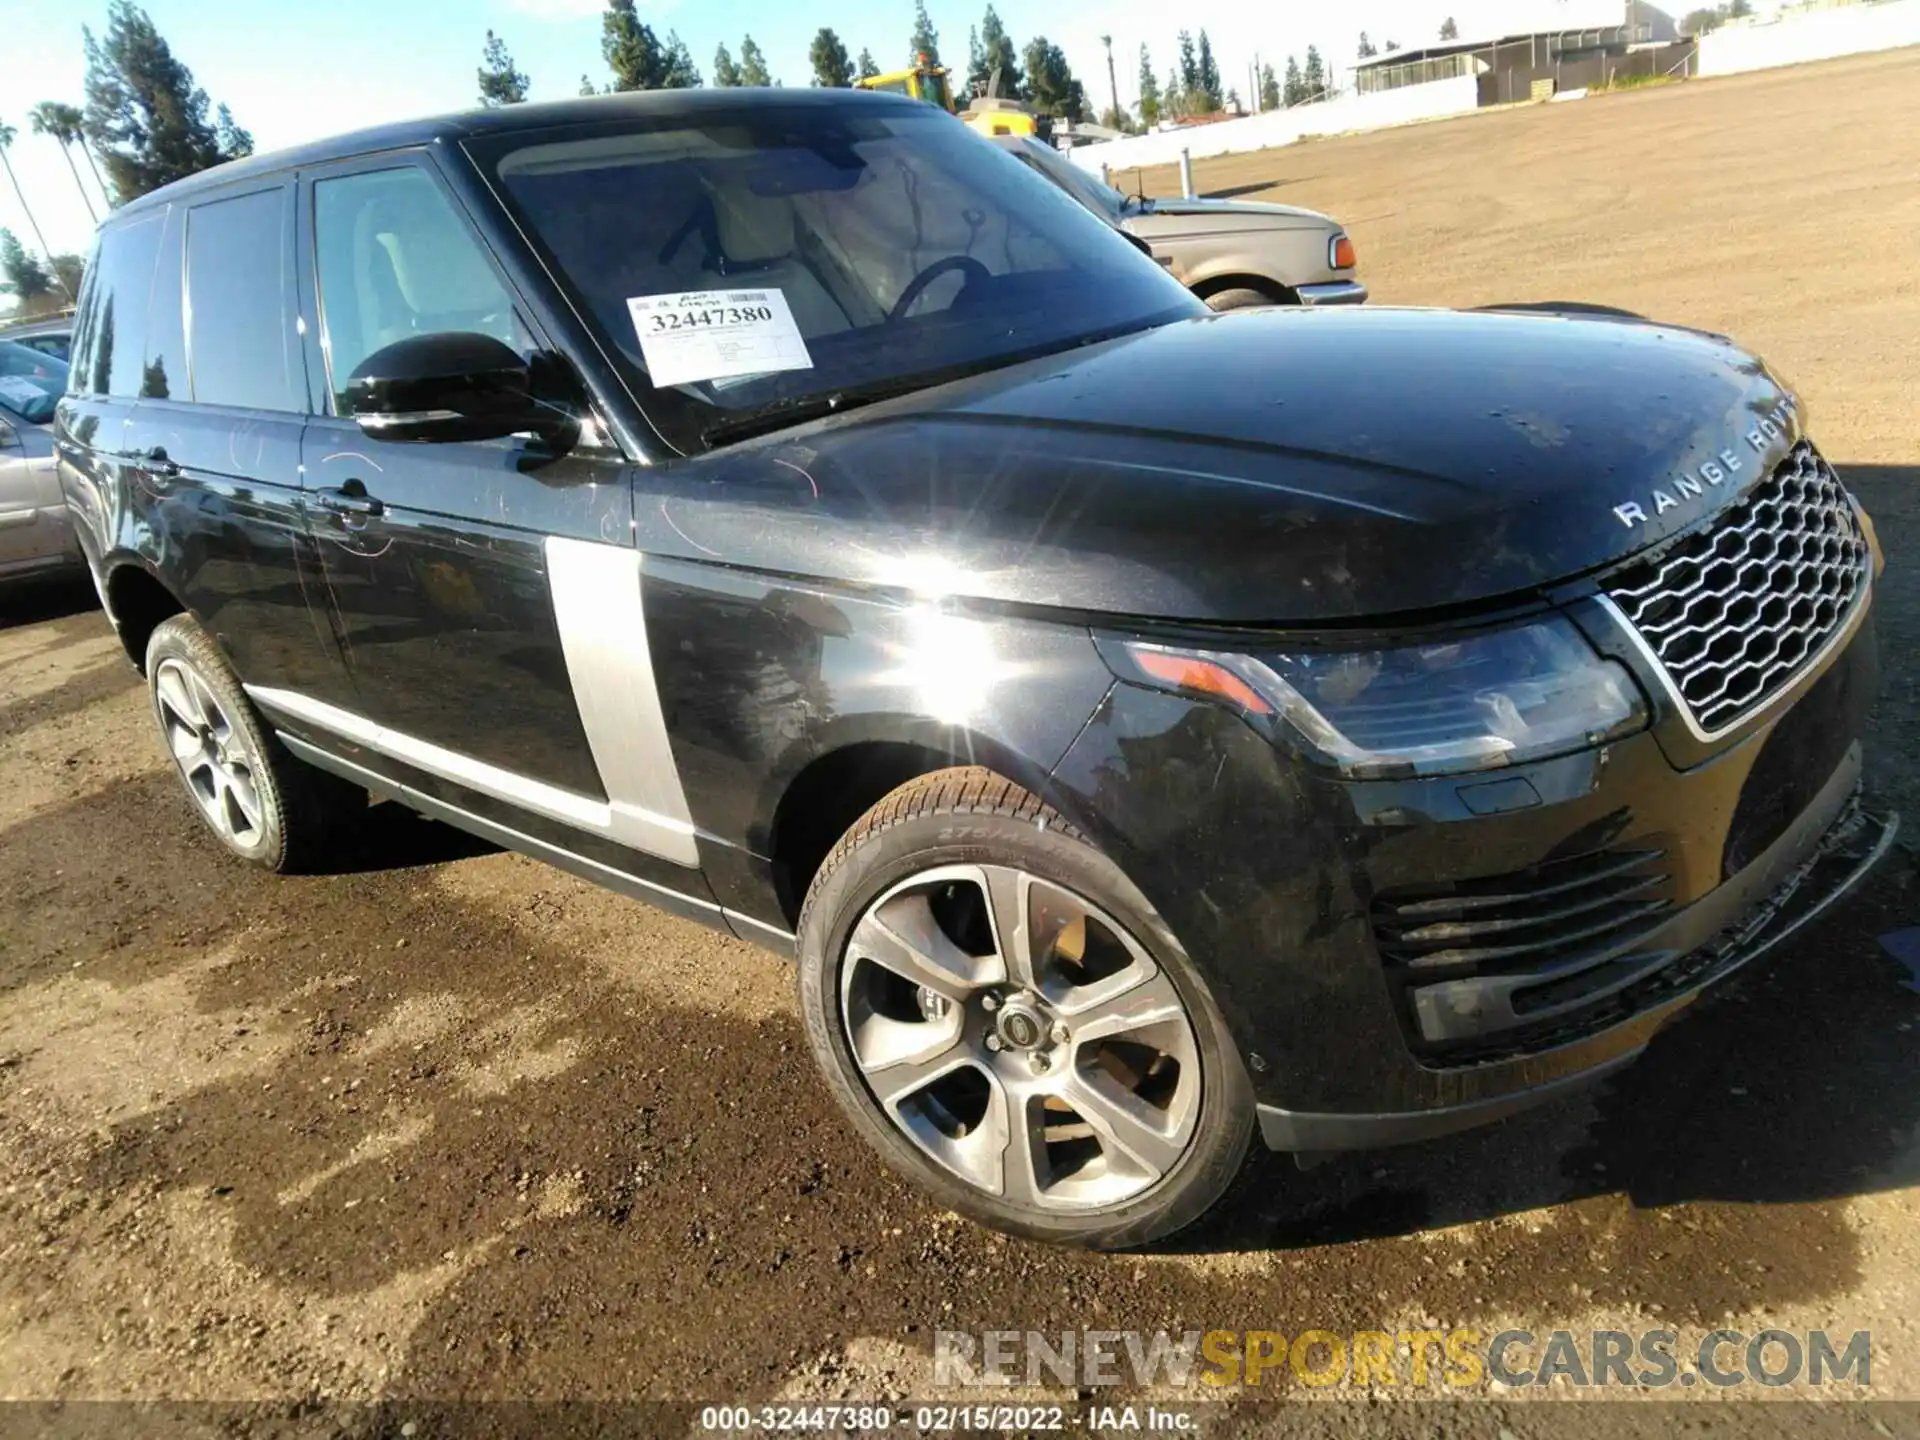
(1479, 957)
(1736, 611)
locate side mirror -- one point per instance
(452, 386)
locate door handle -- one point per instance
(350, 500)
(155, 461)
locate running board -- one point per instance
(690, 907)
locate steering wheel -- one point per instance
(917, 286)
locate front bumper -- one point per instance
(1333, 292)
(1748, 927)
(1289, 889)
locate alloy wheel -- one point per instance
(213, 754)
(1021, 1038)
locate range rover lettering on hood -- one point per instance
(1263, 467)
(1763, 437)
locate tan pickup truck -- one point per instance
(1231, 253)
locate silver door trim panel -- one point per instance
(603, 634)
(624, 824)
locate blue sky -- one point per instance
(294, 70)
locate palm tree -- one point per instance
(7, 133)
(62, 122)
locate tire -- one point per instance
(971, 1064)
(263, 805)
(1241, 299)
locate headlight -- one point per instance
(1500, 697)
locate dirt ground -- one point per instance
(450, 1124)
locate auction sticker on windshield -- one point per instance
(714, 334)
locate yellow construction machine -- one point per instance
(988, 114)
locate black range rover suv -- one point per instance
(1146, 727)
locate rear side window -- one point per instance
(237, 303)
(113, 327)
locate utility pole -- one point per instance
(1113, 85)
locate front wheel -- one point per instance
(1007, 1020)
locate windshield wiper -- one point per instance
(802, 408)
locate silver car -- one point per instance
(1231, 253)
(36, 538)
(50, 337)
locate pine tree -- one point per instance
(1449, 30)
(1051, 88)
(586, 85)
(681, 72)
(1189, 67)
(726, 74)
(145, 116)
(1392, 45)
(630, 49)
(1315, 74)
(753, 65)
(500, 83)
(1209, 75)
(68, 271)
(26, 277)
(996, 53)
(1295, 90)
(1269, 89)
(639, 59)
(1149, 92)
(926, 39)
(234, 142)
(831, 67)
(864, 68)
(1367, 52)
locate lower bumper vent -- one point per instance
(1480, 957)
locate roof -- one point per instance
(511, 119)
(1462, 47)
(1424, 52)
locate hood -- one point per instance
(1246, 213)
(1269, 467)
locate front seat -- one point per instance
(759, 246)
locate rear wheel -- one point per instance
(1009, 1023)
(261, 803)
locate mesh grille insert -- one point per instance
(1735, 612)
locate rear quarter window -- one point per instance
(113, 322)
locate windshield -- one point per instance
(1099, 198)
(766, 256)
(31, 383)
